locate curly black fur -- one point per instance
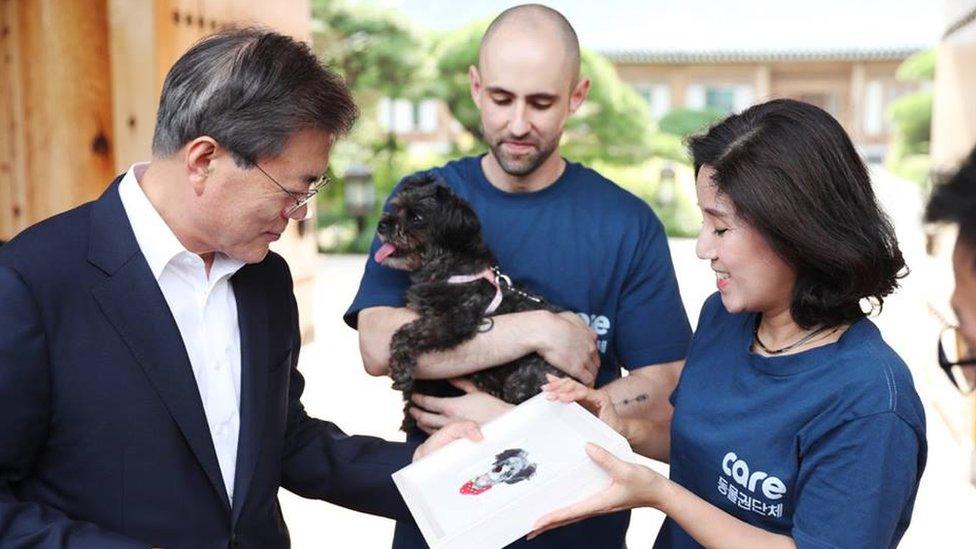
(436, 235)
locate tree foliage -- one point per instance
(376, 51)
(911, 119)
(918, 68)
(683, 121)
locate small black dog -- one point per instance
(456, 289)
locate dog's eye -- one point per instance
(414, 217)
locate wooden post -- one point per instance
(13, 187)
(135, 89)
(57, 143)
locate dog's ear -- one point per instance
(510, 453)
(443, 193)
(459, 226)
(524, 474)
(421, 179)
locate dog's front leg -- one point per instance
(409, 342)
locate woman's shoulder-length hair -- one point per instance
(790, 171)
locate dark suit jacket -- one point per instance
(103, 438)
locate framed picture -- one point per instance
(490, 493)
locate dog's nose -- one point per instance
(385, 223)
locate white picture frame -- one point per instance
(488, 494)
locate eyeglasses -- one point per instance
(300, 199)
(957, 360)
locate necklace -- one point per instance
(801, 341)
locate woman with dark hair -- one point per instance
(795, 424)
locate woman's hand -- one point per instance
(432, 413)
(597, 401)
(631, 486)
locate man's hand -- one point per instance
(570, 345)
(450, 433)
(433, 413)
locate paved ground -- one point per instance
(339, 389)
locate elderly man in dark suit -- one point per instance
(148, 340)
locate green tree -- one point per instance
(911, 118)
(683, 121)
(613, 125)
(380, 56)
(376, 51)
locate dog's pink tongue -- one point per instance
(385, 251)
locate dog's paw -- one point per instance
(403, 385)
(402, 381)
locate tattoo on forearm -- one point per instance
(486, 325)
(634, 400)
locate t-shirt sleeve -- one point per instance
(652, 326)
(380, 286)
(857, 484)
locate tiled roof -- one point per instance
(675, 57)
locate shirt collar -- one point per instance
(155, 238)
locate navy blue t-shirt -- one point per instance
(826, 446)
(589, 247)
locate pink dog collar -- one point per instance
(488, 274)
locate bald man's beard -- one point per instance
(521, 164)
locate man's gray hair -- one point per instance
(250, 90)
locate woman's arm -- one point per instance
(711, 526)
(647, 437)
(633, 485)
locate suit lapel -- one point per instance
(133, 303)
(252, 314)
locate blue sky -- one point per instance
(714, 24)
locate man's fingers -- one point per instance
(464, 429)
(428, 421)
(427, 402)
(441, 437)
(464, 384)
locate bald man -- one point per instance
(558, 229)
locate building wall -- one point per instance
(425, 126)
(954, 110)
(856, 93)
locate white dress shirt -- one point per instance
(205, 310)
